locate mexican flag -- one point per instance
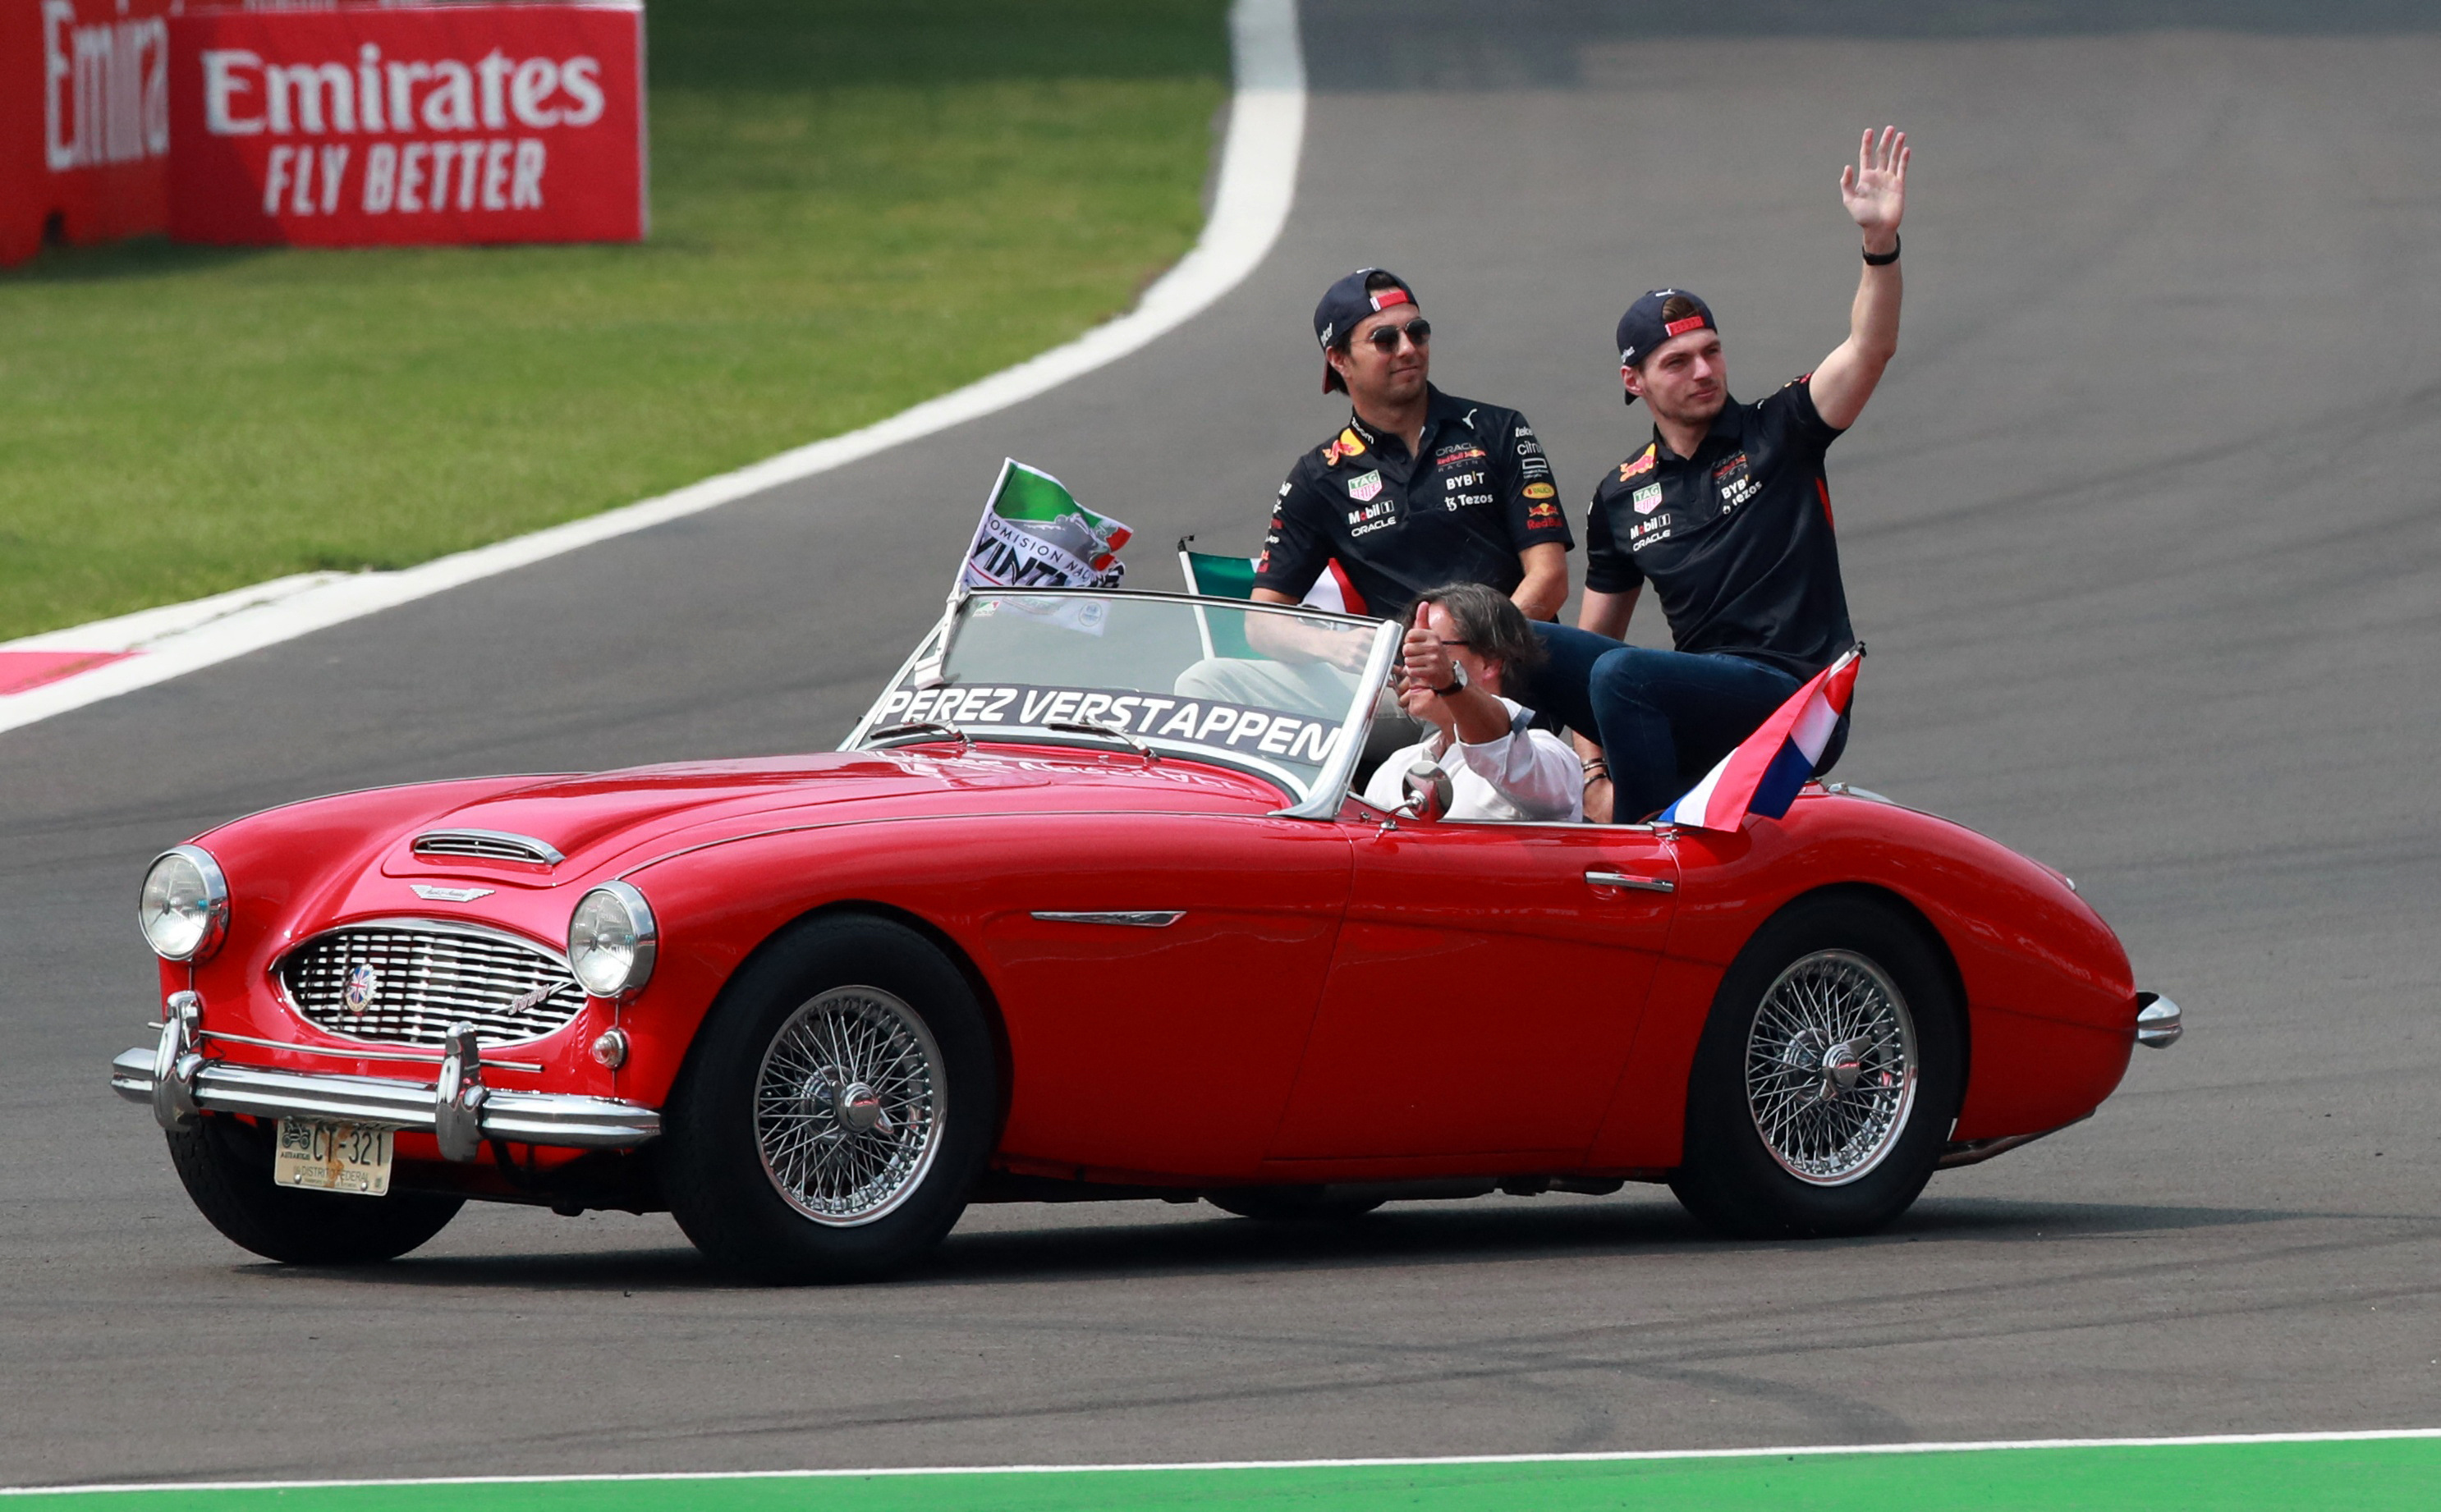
(1035, 534)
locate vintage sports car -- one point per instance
(1083, 907)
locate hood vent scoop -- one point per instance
(487, 845)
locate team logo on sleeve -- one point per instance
(1347, 445)
(1640, 462)
(1364, 485)
(1542, 517)
(1541, 491)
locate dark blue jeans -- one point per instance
(1663, 718)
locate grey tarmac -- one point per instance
(2143, 531)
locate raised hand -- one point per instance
(1874, 186)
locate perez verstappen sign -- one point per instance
(366, 126)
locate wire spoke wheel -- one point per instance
(849, 1106)
(1830, 1068)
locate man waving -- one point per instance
(1727, 513)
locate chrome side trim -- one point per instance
(527, 1117)
(1631, 881)
(1128, 918)
(486, 845)
(1975, 1152)
(2158, 1023)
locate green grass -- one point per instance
(855, 207)
(2379, 1475)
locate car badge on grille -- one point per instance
(363, 984)
(436, 894)
(534, 998)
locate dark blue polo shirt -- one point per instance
(1476, 493)
(1736, 540)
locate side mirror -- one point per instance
(1428, 791)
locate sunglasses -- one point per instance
(1385, 339)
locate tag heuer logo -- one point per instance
(363, 984)
(1645, 498)
(436, 894)
(1364, 485)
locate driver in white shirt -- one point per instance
(1461, 641)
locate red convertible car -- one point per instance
(1084, 907)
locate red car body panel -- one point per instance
(1340, 999)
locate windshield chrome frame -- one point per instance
(1331, 783)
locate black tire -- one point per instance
(1292, 1204)
(865, 993)
(227, 1167)
(1849, 1156)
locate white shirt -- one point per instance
(1526, 774)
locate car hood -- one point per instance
(603, 820)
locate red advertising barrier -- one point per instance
(370, 126)
(84, 121)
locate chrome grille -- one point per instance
(423, 977)
(488, 845)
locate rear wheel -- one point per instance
(1827, 1079)
(836, 1110)
(227, 1167)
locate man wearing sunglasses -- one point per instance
(1416, 491)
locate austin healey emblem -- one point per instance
(364, 983)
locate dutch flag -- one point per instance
(1762, 775)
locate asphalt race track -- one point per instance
(2144, 533)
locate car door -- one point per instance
(1158, 975)
(1485, 987)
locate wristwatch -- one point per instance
(1457, 682)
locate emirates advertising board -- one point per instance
(364, 125)
(84, 121)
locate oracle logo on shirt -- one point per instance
(370, 125)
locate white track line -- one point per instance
(1258, 168)
(1622, 1456)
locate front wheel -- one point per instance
(227, 1167)
(1827, 1079)
(836, 1110)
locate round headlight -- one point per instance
(184, 910)
(610, 940)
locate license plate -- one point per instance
(332, 1157)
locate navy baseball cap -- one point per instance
(1349, 301)
(1653, 319)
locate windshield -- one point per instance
(1139, 671)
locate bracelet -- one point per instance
(1883, 260)
(1596, 770)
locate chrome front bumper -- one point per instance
(459, 1109)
